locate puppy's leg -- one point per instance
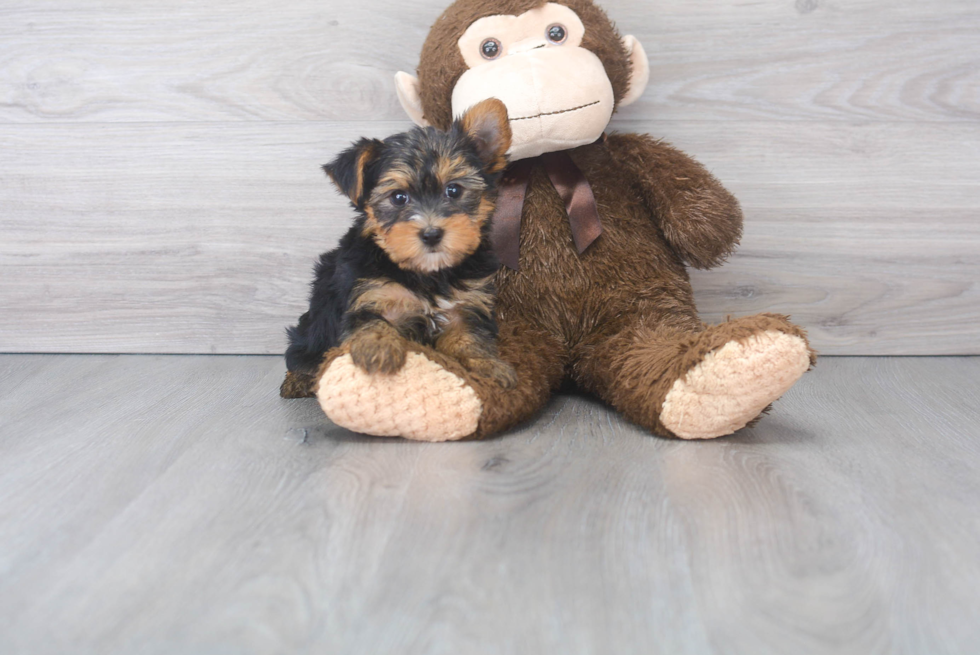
(376, 347)
(476, 350)
(303, 357)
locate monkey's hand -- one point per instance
(377, 348)
(700, 219)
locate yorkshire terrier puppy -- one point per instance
(417, 263)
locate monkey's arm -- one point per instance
(698, 217)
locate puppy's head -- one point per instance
(427, 196)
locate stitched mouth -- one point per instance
(552, 113)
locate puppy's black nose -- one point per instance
(432, 235)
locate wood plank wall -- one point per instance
(160, 190)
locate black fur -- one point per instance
(343, 170)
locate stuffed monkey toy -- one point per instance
(594, 232)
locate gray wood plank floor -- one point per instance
(155, 504)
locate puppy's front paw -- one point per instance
(497, 370)
(377, 353)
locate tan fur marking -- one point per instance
(362, 160)
(395, 179)
(498, 163)
(456, 341)
(390, 299)
(448, 170)
(485, 211)
(371, 225)
(402, 243)
(462, 237)
(477, 295)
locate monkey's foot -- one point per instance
(422, 401)
(734, 384)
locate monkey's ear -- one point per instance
(487, 124)
(407, 88)
(352, 170)
(639, 70)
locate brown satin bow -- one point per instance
(572, 187)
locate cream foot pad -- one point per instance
(733, 384)
(423, 401)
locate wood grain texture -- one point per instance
(166, 60)
(174, 504)
(159, 189)
(201, 237)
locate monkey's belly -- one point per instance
(629, 269)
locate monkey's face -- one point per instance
(543, 64)
(427, 196)
(557, 93)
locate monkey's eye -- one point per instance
(490, 49)
(453, 191)
(557, 33)
(399, 198)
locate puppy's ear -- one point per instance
(353, 170)
(487, 124)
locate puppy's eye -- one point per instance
(399, 198)
(490, 49)
(453, 191)
(557, 33)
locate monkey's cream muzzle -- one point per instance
(556, 98)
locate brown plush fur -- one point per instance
(622, 314)
(620, 318)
